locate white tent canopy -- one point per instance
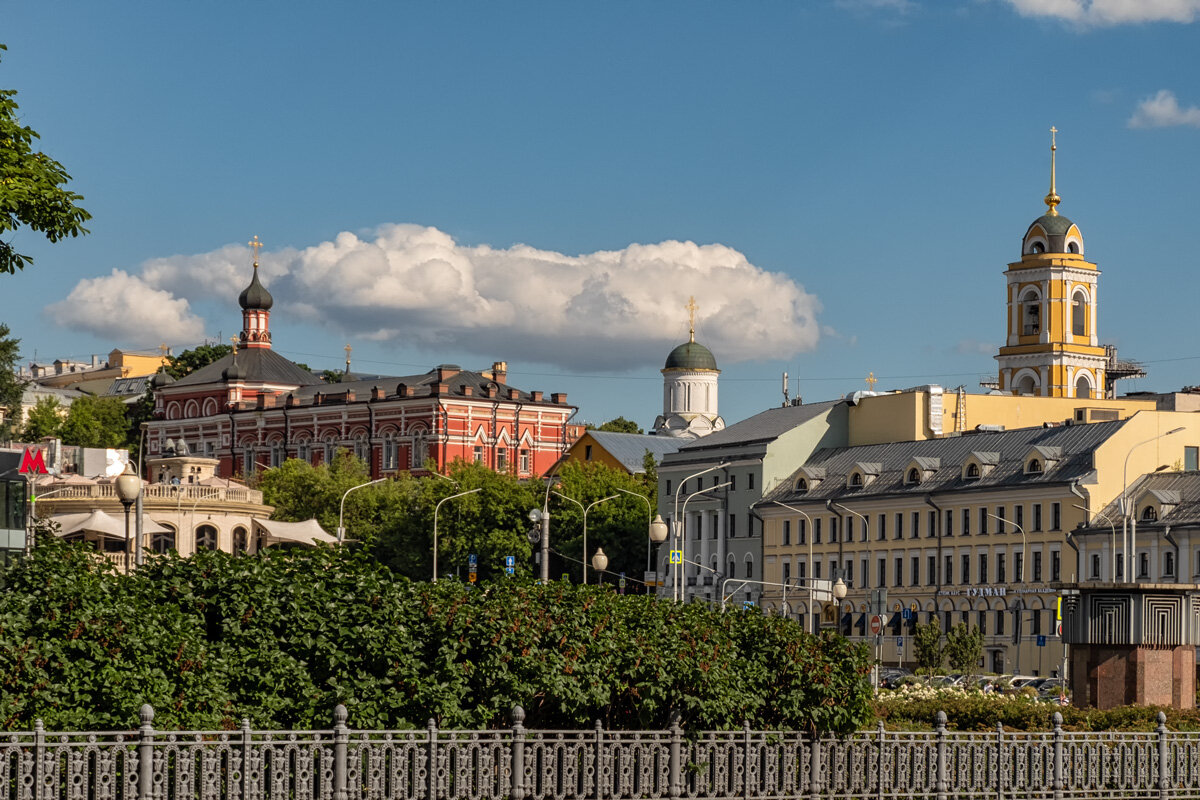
(103, 524)
(308, 532)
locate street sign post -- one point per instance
(1041, 641)
(877, 624)
(621, 583)
(676, 556)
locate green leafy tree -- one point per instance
(281, 637)
(927, 640)
(32, 188)
(11, 389)
(964, 648)
(45, 419)
(95, 422)
(189, 361)
(332, 375)
(620, 425)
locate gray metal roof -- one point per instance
(257, 365)
(476, 382)
(630, 448)
(1076, 441)
(762, 427)
(1183, 488)
(124, 387)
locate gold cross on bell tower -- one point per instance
(871, 381)
(255, 245)
(692, 309)
(234, 339)
(1052, 199)
(348, 348)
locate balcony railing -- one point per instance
(181, 493)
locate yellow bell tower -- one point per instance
(1052, 348)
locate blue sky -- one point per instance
(840, 184)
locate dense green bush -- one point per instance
(281, 638)
(914, 708)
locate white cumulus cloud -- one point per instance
(1111, 12)
(1162, 111)
(103, 306)
(415, 285)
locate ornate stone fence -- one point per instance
(521, 764)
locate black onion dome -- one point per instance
(161, 379)
(233, 372)
(256, 296)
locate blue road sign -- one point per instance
(508, 571)
(510, 561)
(906, 614)
(472, 559)
(1041, 641)
(747, 604)
(676, 556)
(900, 642)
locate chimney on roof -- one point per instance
(491, 390)
(465, 390)
(559, 398)
(377, 393)
(404, 390)
(514, 394)
(500, 371)
(266, 401)
(447, 371)
(290, 401)
(535, 397)
(436, 389)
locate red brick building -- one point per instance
(254, 408)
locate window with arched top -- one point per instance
(856, 479)
(420, 450)
(1031, 312)
(1035, 467)
(1079, 313)
(972, 471)
(1149, 514)
(802, 485)
(1027, 385)
(1037, 247)
(163, 542)
(1083, 387)
(914, 476)
(1073, 247)
(241, 540)
(206, 538)
(749, 568)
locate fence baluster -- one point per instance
(942, 757)
(746, 759)
(675, 769)
(999, 761)
(518, 753)
(1058, 755)
(879, 764)
(247, 739)
(341, 738)
(39, 757)
(598, 760)
(431, 754)
(814, 763)
(145, 750)
(1164, 778)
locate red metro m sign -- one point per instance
(32, 462)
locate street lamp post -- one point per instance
(1024, 544)
(341, 531)
(657, 529)
(436, 509)
(865, 582)
(687, 500)
(585, 513)
(1113, 554)
(809, 537)
(839, 587)
(129, 486)
(1129, 541)
(676, 592)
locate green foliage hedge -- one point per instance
(283, 637)
(976, 711)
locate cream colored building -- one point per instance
(185, 510)
(975, 528)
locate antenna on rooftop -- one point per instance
(785, 388)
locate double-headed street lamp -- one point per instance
(687, 500)
(1113, 529)
(436, 509)
(1129, 540)
(129, 486)
(676, 536)
(585, 513)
